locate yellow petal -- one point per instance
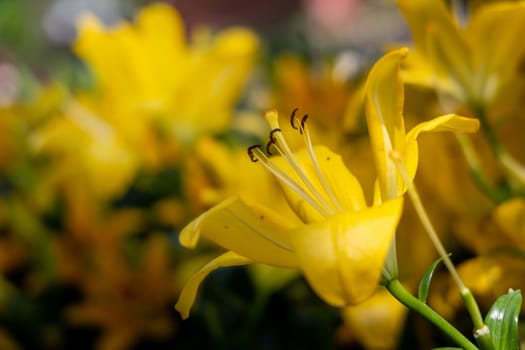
(160, 31)
(104, 49)
(377, 323)
(440, 41)
(493, 32)
(163, 30)
(154, 50)
(384, 108)
(342, 257)
(417, 71)
(236, 42)
(448, 122)
(92, 45)
(189, 292)
(342, 183)
(420, 13)
(214, 78)
(243, 226)
(452, 66)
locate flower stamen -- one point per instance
(272, 137)
(292, 118)
(251, 154)
(257, 154)
(303, 123)
(269, 145)
(282, 147)
(317, 168)
(272, 142)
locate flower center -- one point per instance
(314, 189)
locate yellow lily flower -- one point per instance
(150, 77)
(471, 63)
(337, 242)
(384, 112)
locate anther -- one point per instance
(272, 138)
(269, 146)
(292, 118)
(252, 156)
(272, 141)
(303, 121)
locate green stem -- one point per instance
(400, 293)
(481, 331)
(472, 307)
(487, 130)
(514, 170)
(476, 172)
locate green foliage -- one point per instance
(502, 320)
(17, 29)
(424, 284)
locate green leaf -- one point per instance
(447, 348)
(424, 284)
(502, 320)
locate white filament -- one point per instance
(318, 170)
(288, 181)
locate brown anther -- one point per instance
(252, 156)
(272, 141)
(269, 146)
(272, 138)
(303, 121)
(292, 118)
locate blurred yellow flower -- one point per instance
(376, 323)
(86, 150)
(152, 82)
(334, 238)
(471, 63)
(501, 246)
(321, 90)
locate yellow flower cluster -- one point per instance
(73, 162)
